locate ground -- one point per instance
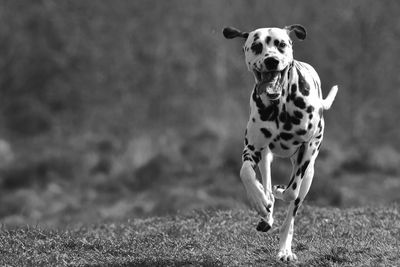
(367, 236)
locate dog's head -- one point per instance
(268, 54)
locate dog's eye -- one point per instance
(256, 48)
(282, 45)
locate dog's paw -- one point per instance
(286, 256)
(259, 200)
(263, 226)
(278, 190)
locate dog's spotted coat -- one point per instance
(286, 120)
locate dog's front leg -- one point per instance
(286, 235)
(255, 190)
(286, 232)
(303, 161)
(265, 169)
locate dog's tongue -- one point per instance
(269, 83)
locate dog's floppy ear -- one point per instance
(230, 33)
(299, 30)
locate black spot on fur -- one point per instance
(253, 119)
(256, 37)
(271, 146)
(270, 113)
(294, 88)
(295, 210)
(292, 95)
(304, 87)
(247, 158)
(310, 116)
(299, 102)
(251, 147)
(304, 168)
(319, 147)
(268, 207)
(310, 109)
(288, 98)
(287, 126)
(257, 100)
(291, 181)
(296, 206)
(309, 126)
(301, 132)
(294, 186)
(298, 114)
(276, 42)
(284, 146)
(302, 149)
(255, 158)
(286, 136)
(266, 133)
(296, 143)
(267, 113)
(283, 116)
(257, 48)
(294, 120)
(319, 136)
(268, 40)
(246, 142)
(277, 123)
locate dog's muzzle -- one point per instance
(270, 80)
(269, 83)
(271, 63)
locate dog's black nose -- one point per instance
(271, 63)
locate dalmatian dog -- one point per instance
(286, 120)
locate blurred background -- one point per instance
(126, 109)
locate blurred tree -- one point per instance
(35, 61)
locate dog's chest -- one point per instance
(283, 125)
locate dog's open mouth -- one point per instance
(269, 83)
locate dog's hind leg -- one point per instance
(303, 162)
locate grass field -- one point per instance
(323, 237)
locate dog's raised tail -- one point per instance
(327, 102)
